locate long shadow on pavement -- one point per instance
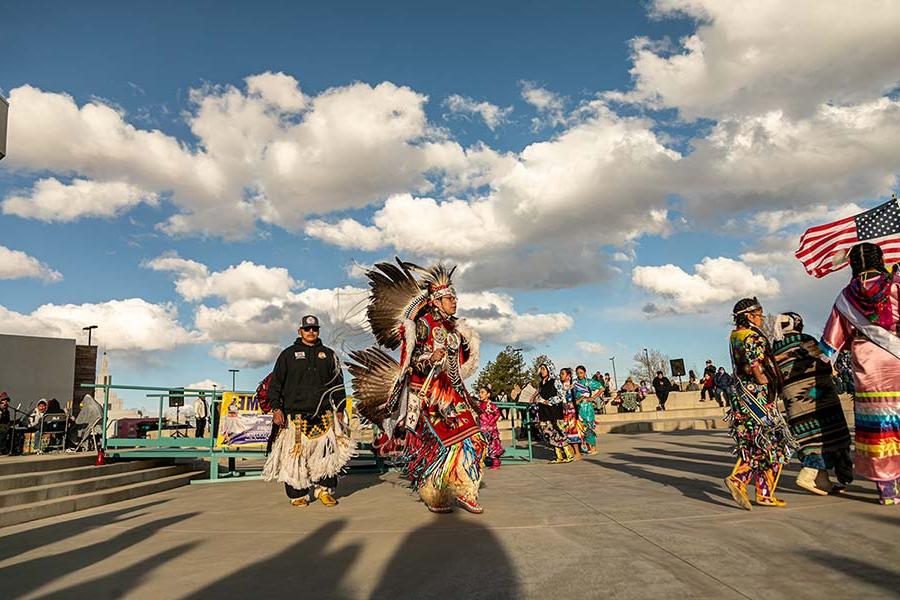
(119, 584)
(308, 569)
(697, 488)
(718, 457)
(22, 578)
(450, 558)
(863, 571)
(45, 535)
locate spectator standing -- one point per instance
(201, 413)
(661, 386)
(307, 395)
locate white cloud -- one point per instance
(346, 233)
(246, 354)
(52, 200)
(269, 153)
(714, 281)
(278, 90)
(15, 264)
(245, 280)
(753, 57)
(776, 220)
(549, 105)
(492, 114)
(495, 319)
(837, 156)
(592, 347)
(131, 325)
(205, 384)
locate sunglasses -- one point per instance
(309, 329)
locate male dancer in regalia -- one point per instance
(422, 404)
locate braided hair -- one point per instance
(866, 257)
(743, 308)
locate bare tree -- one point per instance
(647, 364)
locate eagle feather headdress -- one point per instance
(398, 294)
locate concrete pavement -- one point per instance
(646, 518)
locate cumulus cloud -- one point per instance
(492, 115)
(592, 347)
(837, 156)
(599, 182)
(267, 152)
(246, 354)
(130, 325)
(194, 281)
(52, 200)
(550, 106)
(346, 233)
(753, 57)
(15, 264)
(205, 384)
(714, 281)
(495, 318)
(776, 220)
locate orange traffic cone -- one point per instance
(101, 458)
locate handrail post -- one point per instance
(106, 383)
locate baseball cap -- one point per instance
(309, 321)
(4, 396)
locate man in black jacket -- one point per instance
(661, 387)
(307, 388)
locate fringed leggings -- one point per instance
(766, 481)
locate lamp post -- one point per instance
(615, 379)
(234, 373)
(89, 329)
(649, 370)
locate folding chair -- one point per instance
(55, 425)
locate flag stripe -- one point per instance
(830, 248)
(807, 240)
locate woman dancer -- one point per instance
(814, 411)
(550, 401)
(488, 417)
(586, 392)
(762, 440)
(866, 318)
(571, 423)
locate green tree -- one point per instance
(502, 373)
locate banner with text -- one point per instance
(241, 422)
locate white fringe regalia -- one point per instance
(301, 461)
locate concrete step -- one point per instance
(85, 486)
(672, 424)
(49, 508)
(14, 465)
(28, 480)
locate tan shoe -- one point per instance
(327, 499)
(823, 482)
(806, 479)
(304, 501)
(739, 492)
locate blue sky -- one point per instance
(630, 136)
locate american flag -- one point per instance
(824, 248)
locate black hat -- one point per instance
(309, 321)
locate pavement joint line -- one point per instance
(657, 545)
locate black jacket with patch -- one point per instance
(307, 380)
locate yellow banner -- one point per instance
(241, 422)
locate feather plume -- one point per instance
(396, 295)
(375, 376)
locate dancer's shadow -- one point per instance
(698, 488)
(23, 541)
(311, 568)
(853, 568)
(24, 577)
(452, 557)
(719, 457)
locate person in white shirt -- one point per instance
(200, 414)
(35, 419)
